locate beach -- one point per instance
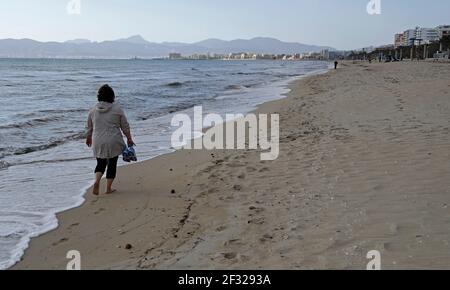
(363, 165)
(45, 166)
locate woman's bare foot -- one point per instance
(109, 183)
(110, 191)
(96, 189)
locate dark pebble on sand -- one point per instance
(128, 247)
(173, 191)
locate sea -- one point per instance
(45, 167)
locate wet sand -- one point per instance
(364, 165)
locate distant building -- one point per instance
(427, 35)
(325, 54)
(409, 36)
(253, 56)
(338, 54)
(175, 56)
(264, 56)
(399, 40)
(419, 35)
(443, 31)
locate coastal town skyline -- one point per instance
(258, 48)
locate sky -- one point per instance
(342, 24)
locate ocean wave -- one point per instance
(3, 164)
(281, 76)
(51, 161)
(259, 73)
(56, 115)
(31, 123)
(180, 83)
(14, 235)
(37, 113)
(234, 87)
(175, 84)
(249, 86)
(23, 76)
(17, 214)
(240, 87)
(31, 149)
(63, 111)
(30, 229)
(165, 111)
(179, 107)
(145, 117)
(49, 145)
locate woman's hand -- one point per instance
(130, 142)
(89, 141)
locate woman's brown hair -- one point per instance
(106, 94)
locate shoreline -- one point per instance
(350, 179)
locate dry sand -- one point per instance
(364, 165)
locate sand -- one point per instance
(364, 165)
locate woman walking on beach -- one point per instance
(105, 125)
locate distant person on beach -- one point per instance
(335, 64)
(105, 125)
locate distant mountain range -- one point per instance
(137, 46)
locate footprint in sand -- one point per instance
(99, 211)
(243, 258)
(256, 209)
(63, 240)
(221, 229)
(213, 190)
(258, 221)
(268, 237)
(212, 176)
(388, 246)
(229, 256)
(237, 187)
(234, 242)
(73, 225)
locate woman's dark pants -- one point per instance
(111, 164)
